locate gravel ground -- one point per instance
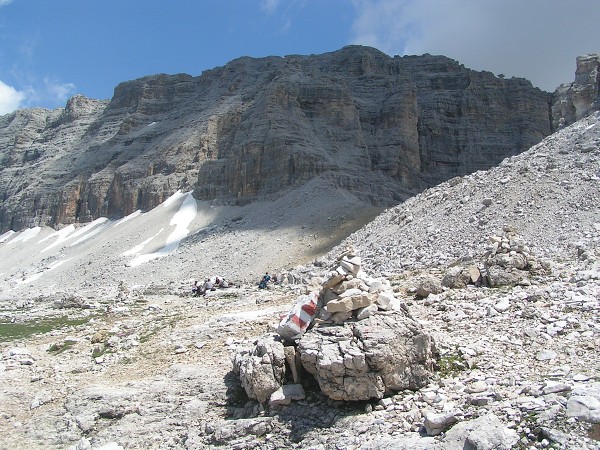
(148, 366)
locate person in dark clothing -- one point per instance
(265, 279)
(195, 289)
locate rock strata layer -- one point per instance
(370, 358)
(382, 128)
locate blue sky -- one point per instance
(53, 49)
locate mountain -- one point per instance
(102, 346)
(381, 128)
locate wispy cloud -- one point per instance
(56, 91)
(5, 2)
(269, 6)
(10, 98)
(49, 91)
(282, 13)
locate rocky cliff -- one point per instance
(382, 128)
(574, 101)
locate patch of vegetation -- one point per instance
(22, 330)
(149, 334)
(528, 440)
(59, 348)
(126, 360)
(451, 364)
(98, 350)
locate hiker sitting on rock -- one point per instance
(208, 286)
(265, 279)
(195, 289)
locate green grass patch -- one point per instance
(451, 364)
(99, 350)
(22, 330)
(56, 349)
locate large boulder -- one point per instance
(584, 403)
(430, 285)
(261, 369)
(483, 433)
(366, 359)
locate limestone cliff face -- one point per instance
(576, 100)
(382, 128)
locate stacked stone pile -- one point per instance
(351, 293)
(362, 345)
(507, 262)
(510, 262)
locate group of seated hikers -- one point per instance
(208, 285)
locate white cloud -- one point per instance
(10, 98)
(5, 2)
(535, 39)
(49, 92)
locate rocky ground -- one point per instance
(150, 367)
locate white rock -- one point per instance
(367, 311)
(286, 394)
(553, 387)
(435, 424)
(546, 355)
(502, 305)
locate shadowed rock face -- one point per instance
(382, 128)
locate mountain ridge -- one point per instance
(379, 127)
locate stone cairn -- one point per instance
(353, 336)
(507, 262)
(510, 262)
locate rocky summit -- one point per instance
(465, 317)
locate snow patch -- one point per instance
(6, 236)
(96, 229)
(71, 232)
(136, 250)
(173, 198)
(51, 267)
(89, 227)
(181, 219)
(26, 235)
(60, 235)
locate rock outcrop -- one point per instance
(382, 128)
(369, 358)
(362, 344)
(262, 370)
(510, 262)
(576, 100)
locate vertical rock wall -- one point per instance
(576, 100)
(378, 127)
